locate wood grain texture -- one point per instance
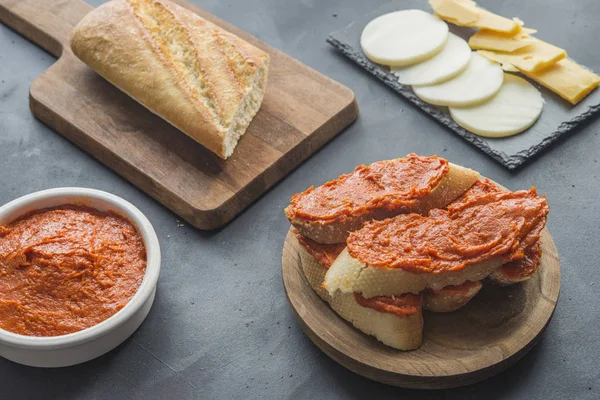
(491, 332)
(302, 110)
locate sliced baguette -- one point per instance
(200, 78)
(349, 275)
(456, 181)
(402, 333)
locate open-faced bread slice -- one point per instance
(410, 253)
(514, 271)
(349, 275)
(381, 190)
(402, 333)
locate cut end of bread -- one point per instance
(247, 109)
(343, 277)
(455, 183)
(195, 75)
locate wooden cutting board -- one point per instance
(302, 110)
(494, 330)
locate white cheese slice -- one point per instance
(448, 63)
(512, 110)
(403, 37)
(477, 83)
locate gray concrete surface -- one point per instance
(220, 327)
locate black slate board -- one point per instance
(558, 118)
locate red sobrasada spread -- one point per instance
(403, 305)
(468, 232)
(390, 185)
(325, 254)
(66, 269)
(522, 268)
(526, 266)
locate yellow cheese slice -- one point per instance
(568, 79)
(460, 11)
(533, 58)
(466, 13)
(490, 40)
(493, 22)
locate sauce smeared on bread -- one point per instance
(468, 232)
(514, 271)
(325, 254)
(443, 300)
(388, 185)
(519, 270)
(403, 305)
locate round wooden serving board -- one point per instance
(494, 330)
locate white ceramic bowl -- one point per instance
(78, 347)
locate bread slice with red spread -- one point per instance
(328, 213)
(466, 242)
(380, 272)
(395, 321)
(402, 330)
(515, 271)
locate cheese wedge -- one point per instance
(448, 63)
(466, 13)
(489, 40)
(512, 110)
(535, 57)
(568, 79)
(403, 38)
(478, 82)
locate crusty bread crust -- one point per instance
(402, 333)
(456, 182)
(448, 301)
(198, 77)
(349, 275)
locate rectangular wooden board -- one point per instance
(302, 110)
(559, 118)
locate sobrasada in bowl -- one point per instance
(89, 343)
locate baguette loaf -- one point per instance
(435, 184)
(197, 76)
